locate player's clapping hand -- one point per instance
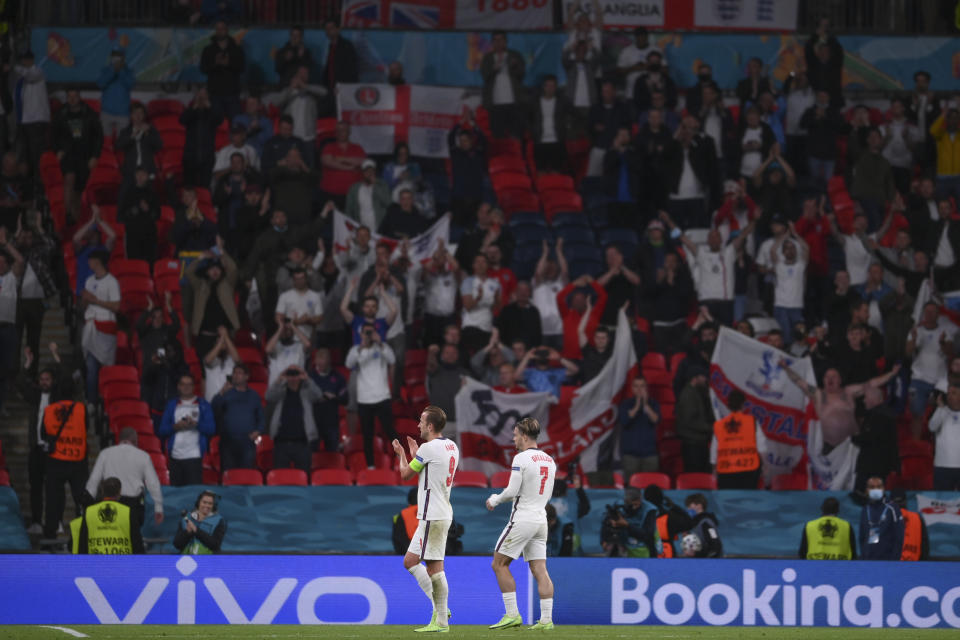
(413, 446)
(397, 447)
(491, 502)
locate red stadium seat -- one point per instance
(504, 147)
(242, 477)
(120, 391)
(653, 360)
(371, 477)
(211, 476)
(514, 200)
(416, 357)
(556, 201)
(164, 107)
(642, 480)
(509, 164)
(119, 268)
(510, 180)
(790, 482)
(706, 481)
(286, 478)
(4, 478)
(328, 460)
(167, 123)
(417, 395)
(500, 480)
(916, 448)
(149, 443)
(326, 128)
(331, 477)
(554, 182)
(265, 453)
(414, 374)
(141, 424)
(470, 479)
(407, 427)
(124, 408)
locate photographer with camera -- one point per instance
(371, 361)
(292, 425)
(287, 347)
(672, 519)
(201, 531)
(629, 530)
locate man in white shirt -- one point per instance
(789, 257)
(633, 58)
(532, 473)
(300, 100)
(101, 301)
(370, 362)
(440, 277)
(858, 256)
(713, 271)
(900, 138)
(286, 348)
(218, 364)
(33, 108)
(435, 461)
(548, 280)
(945, 425)
(480, 294)
(238, 144)
(502, 71)
(134, 469)
(187, 424)
(302, 306)
(928, 345)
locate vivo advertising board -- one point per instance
(377, 590)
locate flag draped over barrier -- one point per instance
(420, 248)
(785, 413)
(580, 423)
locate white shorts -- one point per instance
(529, 538)
(430, 540)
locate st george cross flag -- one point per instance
(381, 115)
(938, 510)
(485, 420)
(584, 424)
(420, 249)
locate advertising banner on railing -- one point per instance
(312, 590)
(448, 14)
(452, 58)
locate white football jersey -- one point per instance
(537, 471)
(439, 458)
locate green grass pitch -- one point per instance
(280, 632)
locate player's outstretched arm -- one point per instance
(511, 492)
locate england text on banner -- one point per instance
(485, 420)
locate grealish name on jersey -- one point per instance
(436, 462)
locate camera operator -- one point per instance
(672, 519)
(563, 538)
(201, 531)
(630, 530)
(371, 361)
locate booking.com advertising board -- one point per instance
(376, 590)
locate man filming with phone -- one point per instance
(372, 361)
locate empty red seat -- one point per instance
(554, 201)
(370, 477)
(4, 478)
(416, 357)
(915, 448)
(642, 480)
(790, 482)
(167, 123)
(211, 476)
(470, 479)
(510, 180)
(164, 107)
(705, 481)
(120, 391)
(242, 477)
(653, 360)
(513, 200)
(554, 182)
(504, 147)
(287, 477)
(328, 477)
(407, 427)
(417, 395)
(149, 443)
(500, 480)
(511, 164)
(128, 267)
(122, 408)
(328, 460)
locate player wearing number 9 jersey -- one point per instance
(531, 487)
(436, 462)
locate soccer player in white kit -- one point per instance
(436, 463)
(530, 488)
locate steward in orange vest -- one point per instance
(671, 521)
(405, 523)
(916, 541)
(65, 439)
(735, 448)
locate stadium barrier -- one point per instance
(376, 590)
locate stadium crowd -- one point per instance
(790, 214)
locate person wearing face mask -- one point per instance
(881, 525)
(632, 533)
(704, 527)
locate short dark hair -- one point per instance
(602, 329)
(101, 256)
(187, 375)
(696, 498)
(549, 76)
(287, 118)
(436, 417)
(830, 507)
(374, 298)
(529, 427)
(921, 72)
(111, 487)
(736, 399)
(297, 27)
(242, 366)
(498, 32)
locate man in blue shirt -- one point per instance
(638, 417)
(541, 376)
(334, 390)
(239, 415)
(881, 525)
(115, 80)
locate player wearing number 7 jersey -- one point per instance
(436, 462)
(531, 487)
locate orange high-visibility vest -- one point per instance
(912, 535)
(664, 537)
(71, 446)
(736, 443)
(410, 521)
